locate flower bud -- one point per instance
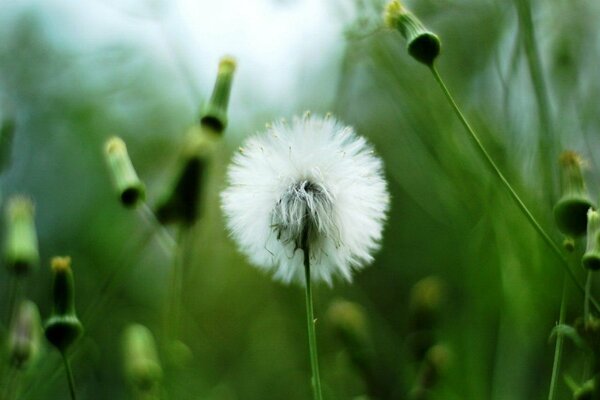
(24, 335)
(426, 299)
(141, 363)
(21, 251)
(129, 187)
(349, 321)
(591, 258)
(214, 114)
(181, 202)
(422, 44)
(63, 328)
(571, 209)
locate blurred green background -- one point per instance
(73, 74)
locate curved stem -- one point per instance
(559, 343)
(69, 373)
(310, 320)
(517, 199)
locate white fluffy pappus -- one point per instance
(311, 180)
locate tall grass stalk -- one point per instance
(517, 199)
(558, 347)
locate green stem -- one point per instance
(559, 343)
(310, 319)
(586, 301)
(521, 205)
(173, 318)
(534, 63)
(165, 240)
(69, 373)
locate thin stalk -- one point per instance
(517, 199)
(310, 322)
(559, 343)
(586, 301)
(173, 317)
(165, 240)
(13, 294)
(534, 64)
(69, 373)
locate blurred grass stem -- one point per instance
(586, 303)
(165, 239)
(559, 343)
(517, 199)
(173, 317)
(547, 139)
(310, 320)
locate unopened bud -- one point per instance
(129, 187)
(571, 209)
(422, 44)
(182, 201)
(63, 327)
(21, 252)
(141, 363)
(214, 114)
(24, 336)
(591, 258)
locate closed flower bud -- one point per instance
(422, 44)
(426, 299)
(24, 335)
(591, 258)
(214, 114)
(21, 251)
(181, 201)
(571, 209)
(141, 363)
(63, 328)
(349, 321)
(129, 187)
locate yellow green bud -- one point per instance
(63, 327)
(129, 187)
(141, 363)
(21, 251)
(24, 335)
(571, 209)
(422, 44)
(214, 114)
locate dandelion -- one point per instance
(313, 186)
(311, 183)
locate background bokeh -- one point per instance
(74, 73)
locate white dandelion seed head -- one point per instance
(312, 179)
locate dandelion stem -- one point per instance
(310, 319)
(517, 199)
(559, 343)
(69, 373)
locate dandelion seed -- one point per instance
(311, 182)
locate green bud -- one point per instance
(586, 391)
(422, 44)
(181, 202)
(349, 321)
(214, 114)
(141, 363)
(63, 327)
(21, 251)
(24, 335)
(426, 299)
(129, 187)
(571, 209)
(591, 258)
